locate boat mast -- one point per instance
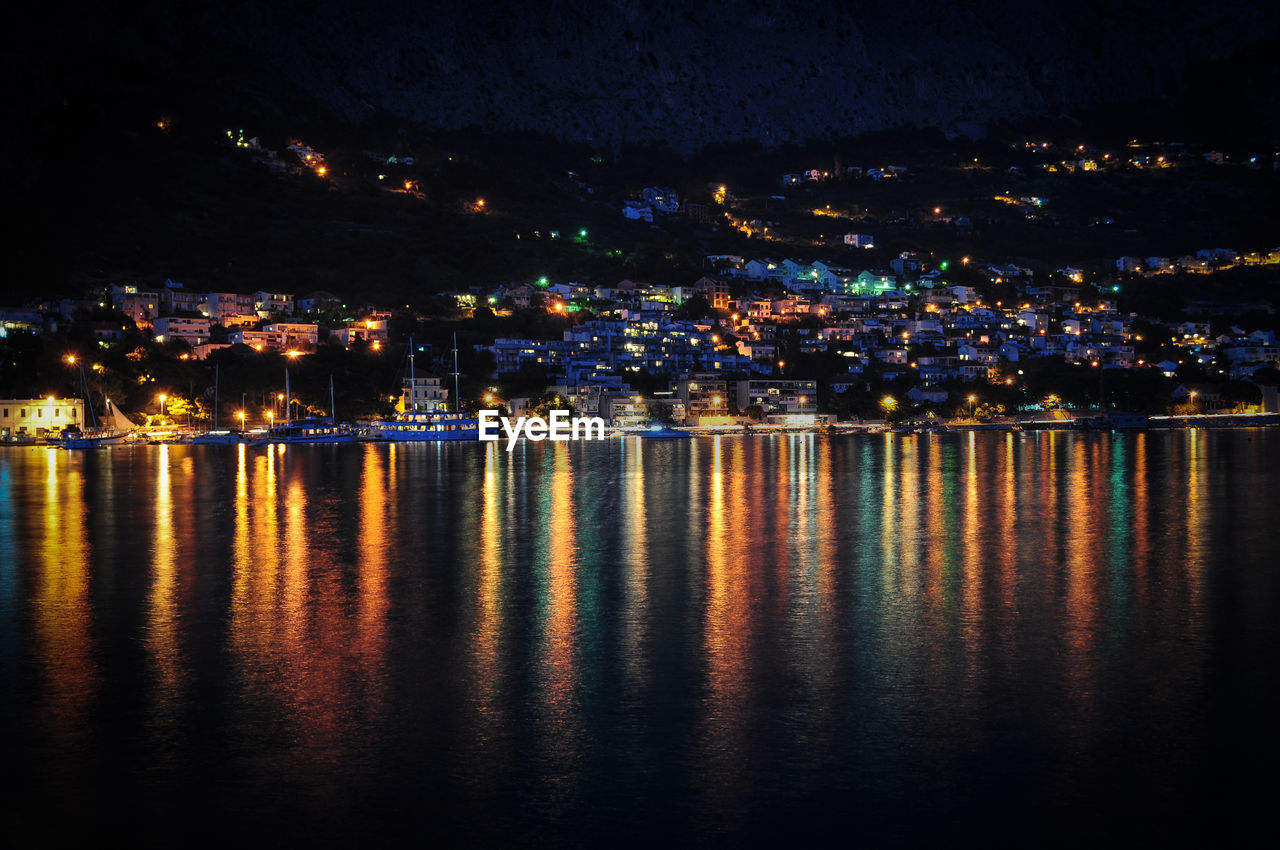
(413, 383)
(287, 398)
(88, 399)
(333, 413)
(215, 396)
(457, 398)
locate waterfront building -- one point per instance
(784, 402)
(35, 417)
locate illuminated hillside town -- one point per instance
(808, 325)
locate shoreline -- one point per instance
(1113, 423)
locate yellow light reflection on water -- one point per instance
(561, 713)
(61, 615)
(635, 564)
(487, 714)
(974, 557)
(733, 569)
(378, 513)
(1083, 552)
(162, 625)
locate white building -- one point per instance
(36, 416)
(423, 395)
(189, 330)
(662, 199)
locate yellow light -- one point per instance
(71, 358)
(293, 353)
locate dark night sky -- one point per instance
(625, 71)
(86, 84)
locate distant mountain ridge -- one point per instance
(627, 71)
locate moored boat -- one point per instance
(219, 438)
(91, 439)
(120, 429)
(662, 432)
(430, 426)
(308, 431)
(425, 428)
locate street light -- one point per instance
(240, 416)
(163, 397)
(972, 400)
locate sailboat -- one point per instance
(415, 427)
(117, 431)
(309, 430)
(216, 435)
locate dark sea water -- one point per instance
(1032, 639)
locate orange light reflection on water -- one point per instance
(61, 610)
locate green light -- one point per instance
(542, 281)
(944, 265)
(1115, 289)
(582, 233)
